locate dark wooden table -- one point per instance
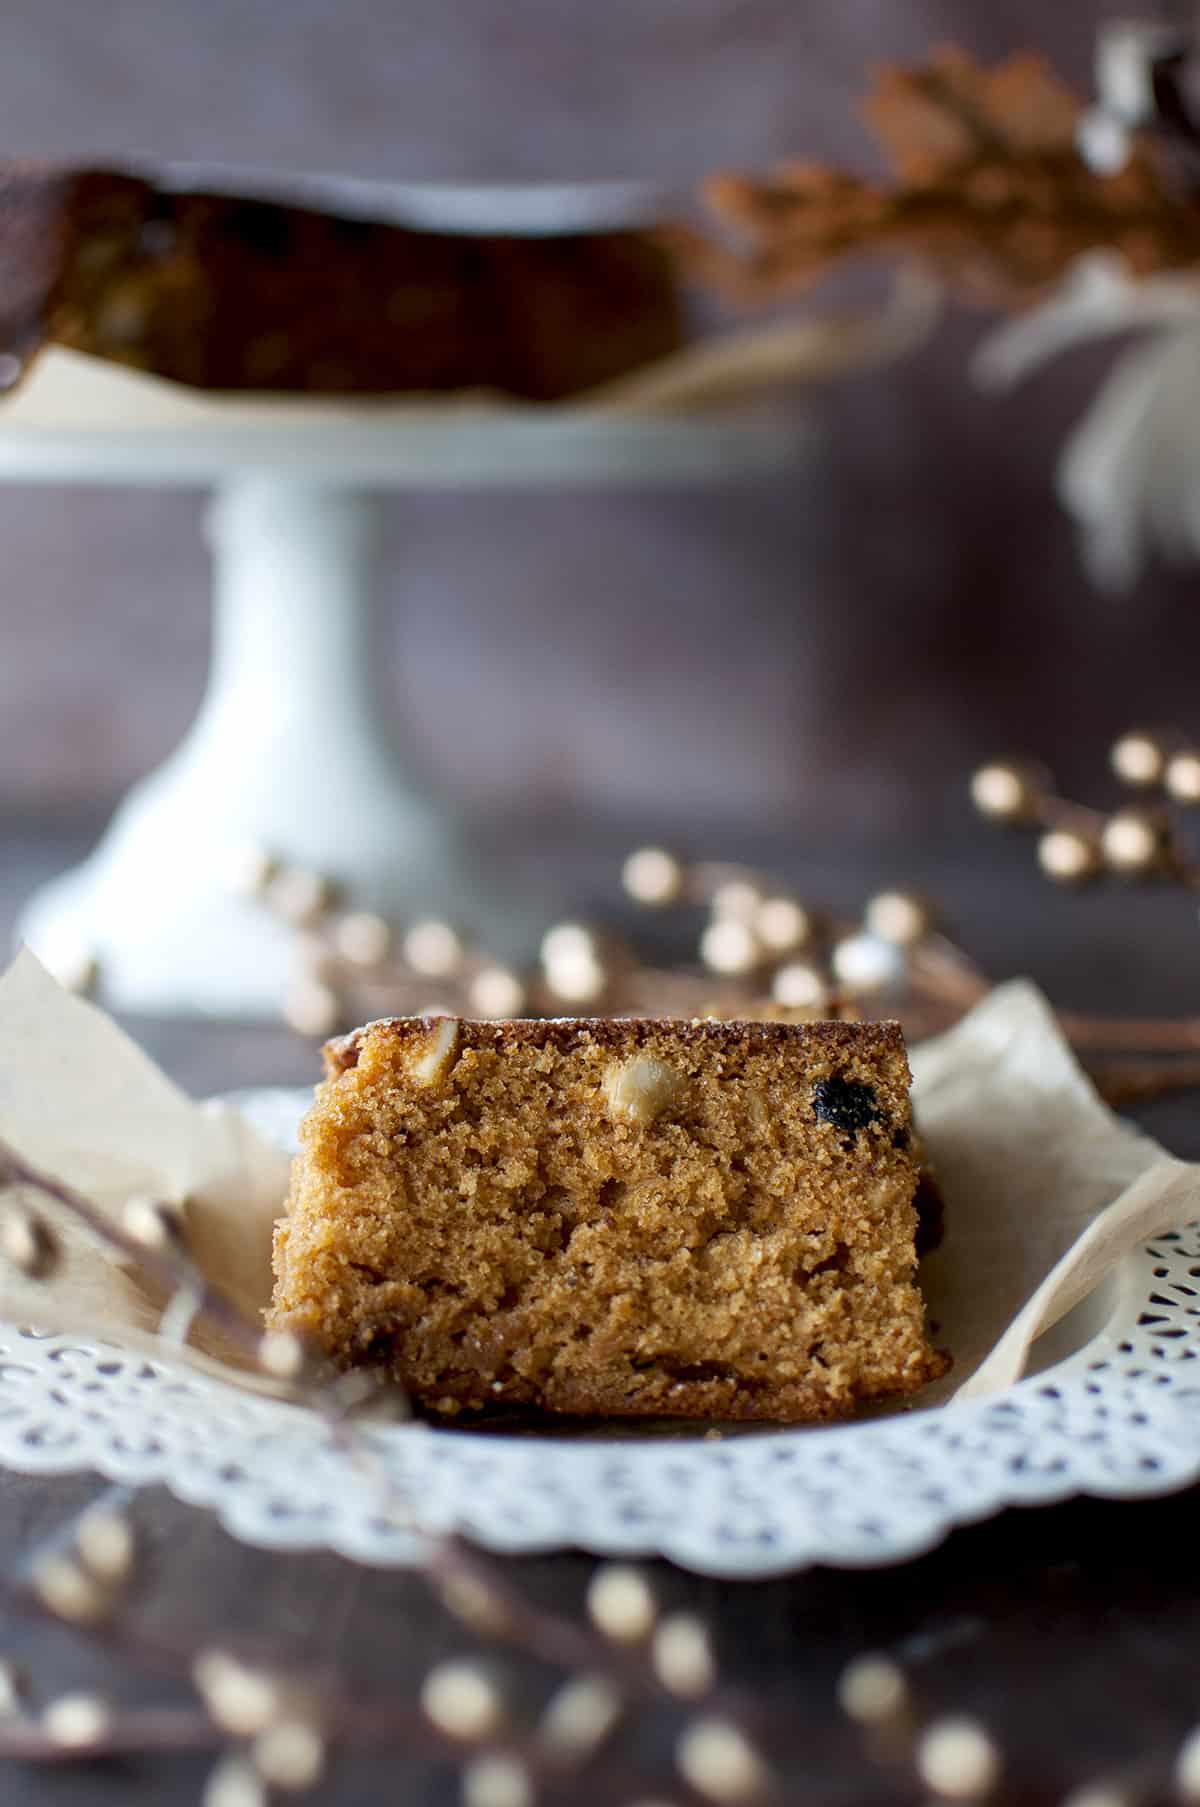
(1071, 1632)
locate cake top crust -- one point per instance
(831, 1037)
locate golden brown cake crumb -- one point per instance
(612, 1217)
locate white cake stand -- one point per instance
(291, 752)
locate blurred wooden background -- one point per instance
(828, 650)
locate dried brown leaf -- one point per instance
(933, 119)
(989, 190)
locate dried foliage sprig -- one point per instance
(988, 185)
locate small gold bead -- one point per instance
(578, 1718)
(68, 1591)
(899, 917)
(75, 1721)
(720, 1763)
(299, 896)
(242, 1701)
(728, 945)
(683, 1658)
(782, 924)
(1067, 856)
(583, 983)
(867, 963)
(957, 1759)
(289, 1755)
(497, 1780)
(571, 961)
(105, 1542)
(1132, 842)
(799, 986)
(497, 992)
(1139, 759)
(872, 1689)
(620, 1603)
(566, 941)
(311, 1007)
(1006, 792)
(432, 948)
(362, 938)
(1183, 777)
(654, 877)
(462, 1701)
(234, 1783)
(737, 899)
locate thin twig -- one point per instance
(1136, 1082)
(170, 1269)
(133, 1731)
(1131, 1035)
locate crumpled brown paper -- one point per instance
(79, 1100)
(1045, 1188)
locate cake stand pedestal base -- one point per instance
(290, 754)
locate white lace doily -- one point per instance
(1118, 1416)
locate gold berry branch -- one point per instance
(1143, 841)
(1076, 844)
(764, 950)
(761, 950)
(990, 184)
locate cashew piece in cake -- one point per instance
(641, 1089)
(437, 1055)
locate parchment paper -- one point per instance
(1045, 1188)
(80, 1100)
(67, 390)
